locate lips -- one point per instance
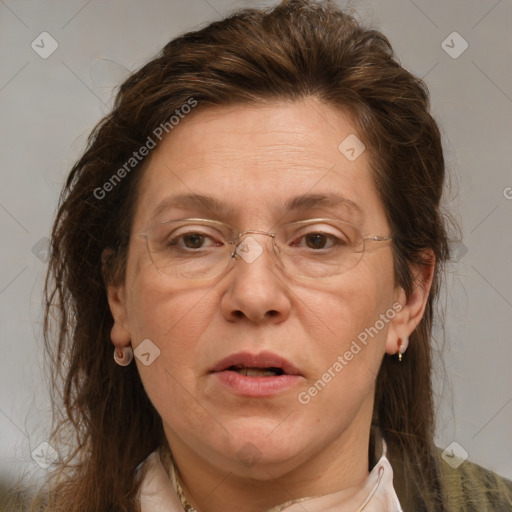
(263, 375)
(264, 364)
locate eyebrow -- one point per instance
(192, 202)
(320, 200)
(216, 207)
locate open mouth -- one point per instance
(271, 371)
(256, 375)
(264, 364)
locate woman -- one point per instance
(255, 231)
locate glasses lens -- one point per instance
(197, 249)
(319, 247)
(190, 249)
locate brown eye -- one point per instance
(316, 241)
(319, 241)
(193, 241)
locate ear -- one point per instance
(120, 334)
(413, 305)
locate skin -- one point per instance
(254, 158)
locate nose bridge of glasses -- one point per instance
(248, 247)
(253, 232)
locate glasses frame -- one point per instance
(236, 240)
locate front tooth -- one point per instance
(256, 372)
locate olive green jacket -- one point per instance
(468, 488)
(482, 489)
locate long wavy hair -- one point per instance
(105, 424)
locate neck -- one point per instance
(341, 466)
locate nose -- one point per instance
(256, 289)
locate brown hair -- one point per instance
(297, 49)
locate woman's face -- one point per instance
(253, 160)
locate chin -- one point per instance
(258, 449)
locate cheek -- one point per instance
(356, 317)
(173, 318)
(358, 299)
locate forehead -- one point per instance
(257, 161)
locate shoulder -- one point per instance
(470, 487)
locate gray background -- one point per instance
(48, 106)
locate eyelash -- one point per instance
(175, 240)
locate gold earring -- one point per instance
(402, 347)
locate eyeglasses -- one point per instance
(202, 249)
